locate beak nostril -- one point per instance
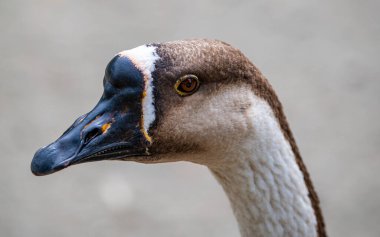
(91, 134)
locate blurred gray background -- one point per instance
(322, 57)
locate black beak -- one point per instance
(92, 139)
(111, 131)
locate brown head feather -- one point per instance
(213, 60)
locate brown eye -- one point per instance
(187, 85)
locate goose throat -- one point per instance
(264, 184)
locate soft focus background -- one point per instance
(322, 57)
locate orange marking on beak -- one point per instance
(105, 127)
(146, 135)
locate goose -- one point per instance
(201, 101)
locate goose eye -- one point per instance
(187, 85)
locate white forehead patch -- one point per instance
(144, 57)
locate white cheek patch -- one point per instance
(144, 57)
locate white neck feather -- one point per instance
(263, 182)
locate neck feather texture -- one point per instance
(265, 185)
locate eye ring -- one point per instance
(187, 85)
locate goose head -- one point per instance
(161, 102)
(201, 101)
